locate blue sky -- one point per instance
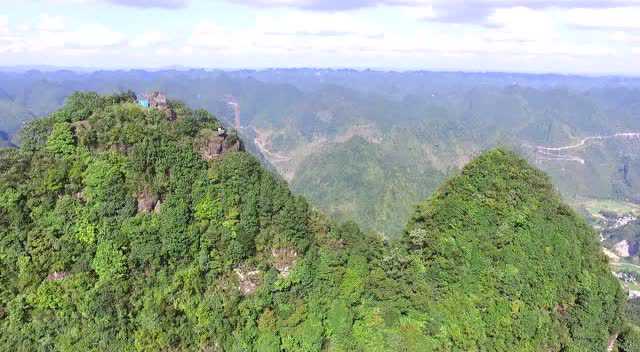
(570, 36)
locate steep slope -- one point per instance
(4, 140)
(127, 238)
(301, 118)
(511, 263)
(124, 229)
(131, 229)
(367, 181)
(12, 117)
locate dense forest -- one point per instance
(126, 228)
(369, 145)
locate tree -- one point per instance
(109, 261)
(60, 140)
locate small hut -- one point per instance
(144, 103)
(157, 100)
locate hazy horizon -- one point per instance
(179, 68)
(525, 36)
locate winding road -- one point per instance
(584, 141)
(559, 153)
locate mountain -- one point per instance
(131, 228)
(13, 116)
(305, 123)
(500, 231)
(5, 140)
(376, 185)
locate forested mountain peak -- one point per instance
(499, 232)
(419, 127)
(127, 228)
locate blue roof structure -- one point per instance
(144, 103)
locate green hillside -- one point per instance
(369, 182)
(503, 254)
(131, 229)
(301, 122)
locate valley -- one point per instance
(544, 153)
(368, 145)
(154, 218)
(360, 153)
(584, 141)
(617, 223)
(320, 176)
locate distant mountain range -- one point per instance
(369, 145)
(126, 227)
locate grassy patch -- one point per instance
(595, 206)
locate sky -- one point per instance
(563, 36)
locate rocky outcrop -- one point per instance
(561, 309)
(612, 342)
(57, 275)
(213, 144)
(283, 260)
(79, 196)
(147, 202)
(120, 148)
(249, 280)
(159, 101)
(626, 248)
(83, 133)
(156, 209)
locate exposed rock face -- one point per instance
(80, 196)
(561, 309)
(156, 209)
(214, 144)
(215, 347)
(120, 147)
(612, 342)
(625, 248)
(147, 202)
(57, 275)
(284, 259)
(159, 101)
(85, 124)
(212, 148)
(248, 280)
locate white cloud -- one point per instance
(94, 36)
(74, 2)
(619, 17)
(150, 38)
(298, 32)
(49, 23)
(418, 12)
(522, 20)
(52, 35)
(166, 4)
(408, 35)
(9, 42)
(88, 36)
(320, 24)
(210, 35)
(511, 32)
(619, 36)
(4, 24)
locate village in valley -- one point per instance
(618, 224)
